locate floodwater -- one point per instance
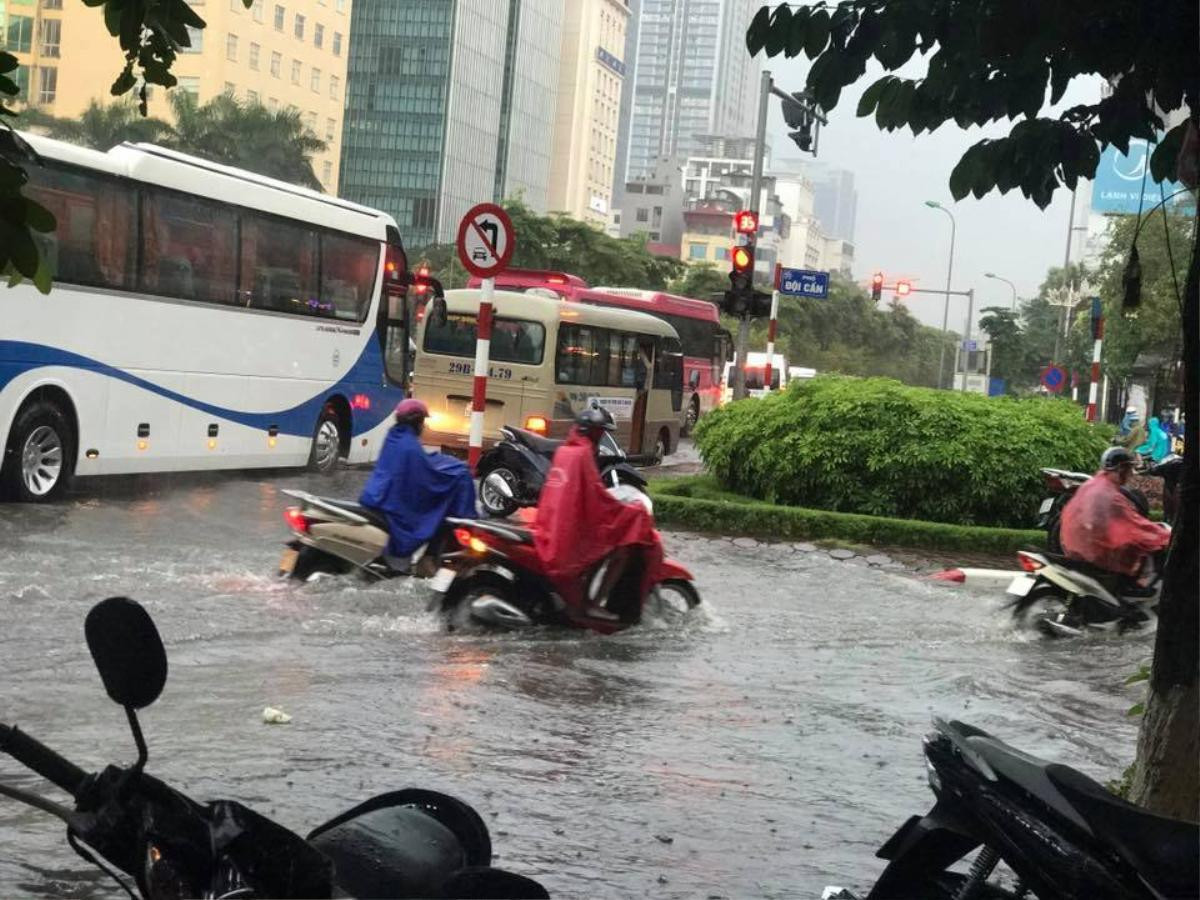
(765, 748)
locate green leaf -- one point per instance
(43, 278)
(963, 174)
(818, 34)
(38, 217)
(8, 62)
(1164, 161)
(188, 16)
(781, 25)
(798, 32)
(1142, 674)
(112, 18)
(756, 34)
(125, 81)
(1136, 710)
(870, 97)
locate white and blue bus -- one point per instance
(202, 317)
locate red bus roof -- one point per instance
(563, 283)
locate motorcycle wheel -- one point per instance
(457, 604)
(312, 561)
(493, 502)
(676, 598)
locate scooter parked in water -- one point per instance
(335, 537)
(1061, 834)
(1069, 597)
(408, 843)
(512, 473)
(497, 579)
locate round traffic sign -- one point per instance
(1054, 378)
(485, 240)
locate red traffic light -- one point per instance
(745, 222)
(877, 280)
(903, 288)
(742, 258)
(422, 274)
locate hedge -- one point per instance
(878, 447)
(699, 504)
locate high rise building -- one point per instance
(836, 200)
(283, 54)
(692, 77)
(447, 106)
(590, 81)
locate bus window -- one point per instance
(614, 359)
(279, 266)
(668, 370)
(349, 267)
(576, 350)
(395, 343)
(513, 340)
(188, 248)
(629, 360)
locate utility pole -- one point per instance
(967, 334)
(1069, 287)
(760, 148)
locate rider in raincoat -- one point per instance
(414, 490)
(1101, 526)
(1158, 443)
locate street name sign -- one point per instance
(804, 283)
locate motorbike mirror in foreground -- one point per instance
(129, 655)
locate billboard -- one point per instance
(1119, 181)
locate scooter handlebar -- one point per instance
(37, 756)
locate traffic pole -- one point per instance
(483, 343)
(1094, 387)
(771, 333)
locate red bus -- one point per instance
(706, 345)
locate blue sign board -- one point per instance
(1054, 378)
(804, 283)
(1119, 181)
(607, 59)
(970, 346)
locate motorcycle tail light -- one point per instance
(469, 540)
(1028, 563)
(295, 519)
(1054, 484)
(537, 424)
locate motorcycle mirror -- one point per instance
(127, 650)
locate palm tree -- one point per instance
(100, 126)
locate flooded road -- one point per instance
(764, 749)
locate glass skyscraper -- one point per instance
(448, 103)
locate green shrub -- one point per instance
(699, 504)
(878, 447)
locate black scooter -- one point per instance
(1061, 834)
(409, 843)
(512, 472)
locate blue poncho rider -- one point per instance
(414, 490)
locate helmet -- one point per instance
(595, 416)
(411, 409)
(1115, 457)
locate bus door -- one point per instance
(395, 329)
(643, 366)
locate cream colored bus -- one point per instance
(548, 358)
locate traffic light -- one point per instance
(903, 288)
(877, 286)
(798, 114)
(745, 222)
(741, 278)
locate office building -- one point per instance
(291, 53)
(591, 79)
(654, 205)
(692, 76)
(836, 200)
(449, 103)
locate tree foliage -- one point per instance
(988, 62)
(700, 280)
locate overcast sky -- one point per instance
(895, 173)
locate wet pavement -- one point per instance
(765, 748)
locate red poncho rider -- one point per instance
(579, 523)
(1101, 526)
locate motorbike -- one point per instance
(496, 579)
(407, 843)
(1072, 597)
(1061, 833)
(512, 472)
(336, 537)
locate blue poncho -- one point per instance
(416, 490)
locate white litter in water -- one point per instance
(273, 716)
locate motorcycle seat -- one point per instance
(535, 442)
(1161, 850)
(374, 516)
(1114, 582)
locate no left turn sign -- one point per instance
(485, 240)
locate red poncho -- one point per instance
(578, 521)
(1101, 526)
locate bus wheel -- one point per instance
(662, 446)
(40, 457)
(691, 417)
(327, 442)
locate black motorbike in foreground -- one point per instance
(408, 843)
(1061, 834)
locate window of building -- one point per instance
(310, 121)
(335, 86)
(257, 10)
(229, 88)
(276, 63)
(50, 37)
(195, 40)
(94, 236)
(189, 84)
(642, 214)
(273, 104)
(51, 4)
(254, 51)
(337, 43)
(513, 340)
(231, 47)
(340, 5)
(314, 79)
(318, 36)
(189, 248)
(722, 253)
(295, 71)
(697, 251)
(47, 84)
(298, 28)
(279, 13)
(252, 97)
(279, 265)
(330, 126)
(19, 34)
(327, 171)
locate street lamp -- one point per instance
(933, 204)
(1009, 283)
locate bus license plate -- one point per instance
(442, 580)
(1020, 586)
(287, 562)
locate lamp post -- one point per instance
(933, 204)
(1012, 286)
